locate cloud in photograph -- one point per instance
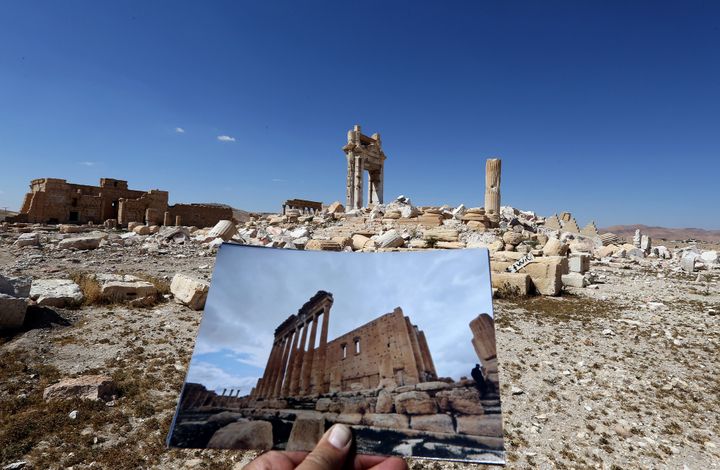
(179, 130)
(87, 163)
(225, 138)
(255, 289)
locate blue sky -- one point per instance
(593, 106)
(255, 289)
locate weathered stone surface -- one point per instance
(15, 286)
(390, 239)
(56, 292)
(69, 229)
(606, 251)
(85, 242)
(189, 291)
(342, 241)
(486, 425)
(512, 238)
(579, 263)
(359, 241)
(415, 403)
(461, 400)
(389, 420)
(554, 247)
(12, 311)
(384, 402)
(224, 229)
(348, 418)
(710, 257)
(432, 423)
(322, 245)
(141, 229)
(574, 279)
(450, 245)
(546, 274)
(511, 284)
(441, 234)
(224, 418)
(687, 262)
(88, 387)
(305, 434)
(432, 386)
(336, 208)
(243, 435)
(119, 291)
(28, 239)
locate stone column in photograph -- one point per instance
(307, 366)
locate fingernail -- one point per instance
(340, 436)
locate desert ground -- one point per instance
(618, 374)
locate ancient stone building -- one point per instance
(55, 201)
(364, 154)
(304, 206)
(483, 340)
(389, 350)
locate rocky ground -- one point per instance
(621, 374)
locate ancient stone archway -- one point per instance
(364, 154)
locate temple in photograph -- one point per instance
(389, 350)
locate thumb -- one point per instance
(332, 450)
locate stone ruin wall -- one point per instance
(391, 351)
(136, 210)
(200, 215)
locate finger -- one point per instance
(276, 460)
(331, 452)
(392, 463)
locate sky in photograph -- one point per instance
(255, 289)
(608, 109)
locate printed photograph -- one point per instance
(400, 346)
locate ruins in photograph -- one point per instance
(55, 201)
(388, 351)
(364, 153)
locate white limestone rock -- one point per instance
(28, 239)
(189, 291)
(12, 311)
(85, 242)
(389, 239)
(56, 292)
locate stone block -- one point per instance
(322, 245)
(390, 239)
(554, 247)
(387, 420)
(224, 229)
(359, 241)
(461, 400)
(579, 263)
(384, 402)
(305, 434)
(85, 242)
(56, 292)
(546, 274)
(141, 229)
(450, 245)
(441, 234)
(243, 435)
(486, 425)
(119, 291)
(89, 387)
(432, 386)
(69, 229)
(27, 239)
(12, 312)
(342, 241)
(574, 280)
(336, 208)
(415, 403)
(15, 286)
(349, 418)
(432, 423)
(512, 238)
(189, 291)
(511, 284)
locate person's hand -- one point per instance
(329, 454)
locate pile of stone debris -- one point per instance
(529, 254)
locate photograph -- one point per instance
(399, 346)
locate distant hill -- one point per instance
(664, 233)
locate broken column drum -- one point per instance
(492, 186)
(364, 153)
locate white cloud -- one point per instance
(215, 378)
(225, 138)
(88, 163)
(179, 130)
(278, 180)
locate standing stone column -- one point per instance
(350, 189)
(269, 370)
(492, 186)
(281, 370)
(285, 389)
(483, 331)
(358, 202)
(297, 366)
(321, 355)
(178, 220)
(166, 219)
(307, 366)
